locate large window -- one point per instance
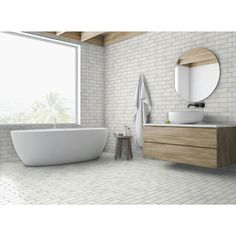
(38, 80)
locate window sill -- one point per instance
(39, 124)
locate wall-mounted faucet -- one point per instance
(201, 105)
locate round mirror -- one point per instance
(197, 74)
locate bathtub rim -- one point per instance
(56, 130)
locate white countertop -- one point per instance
(199, 125)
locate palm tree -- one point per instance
(50, 110)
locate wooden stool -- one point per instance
(128, 149)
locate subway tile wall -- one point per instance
(109, 78)
(92, 87)
(91, 100)
(155, 54)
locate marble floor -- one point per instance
(105, 181)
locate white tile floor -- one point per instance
(105, 181)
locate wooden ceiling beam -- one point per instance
(115, 37)
(96, 38)
(88, 35)
(99, 41)
(72, 35)
(58, 33)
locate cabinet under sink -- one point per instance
(211, 146)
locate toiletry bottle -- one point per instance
(129, 132)
(126, 130)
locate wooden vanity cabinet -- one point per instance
(200, 146)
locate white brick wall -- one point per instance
(91, 99)
(92, 88)
(155, 54)
(110, 101)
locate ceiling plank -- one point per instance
(115, 37)
(72, 35)
(88, 35)
(60, 32)
(96, 40)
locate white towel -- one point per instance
(143, 106)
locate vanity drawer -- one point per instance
(206, 157)
(197, 137)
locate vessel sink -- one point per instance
(185, 117)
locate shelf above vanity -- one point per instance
(207, 145)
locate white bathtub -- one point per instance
(41, 147)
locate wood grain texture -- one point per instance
(197, 57)
(97, 38)
(118, 148)
(96, 41)
(226, 139)
(115, 37)
(71, 35)
(198, 137)
(130, 149)
(202, 63)
(209, 147)
(126, 140)
(88, 35)
(60, 32)
(205, 157)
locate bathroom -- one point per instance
(107, 73)
(107, 83)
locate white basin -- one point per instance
(185, 117)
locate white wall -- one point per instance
(156, 54)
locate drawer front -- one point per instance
(205, 157)
(198, 137)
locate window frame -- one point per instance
(77, 82)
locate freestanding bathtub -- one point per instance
(41, 147)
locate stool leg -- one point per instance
(117, 149)
(130, 149)
(126, 149)
(120, 147)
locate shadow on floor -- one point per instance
(203, 170)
